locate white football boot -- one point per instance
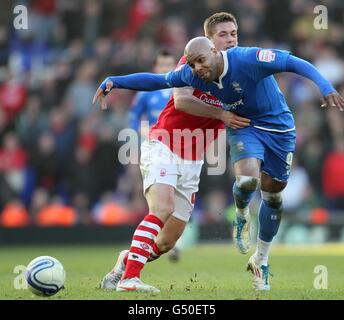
(110, 281)
(241, 233)
(260, 274)
(135, 284)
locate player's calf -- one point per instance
(243, 190)
(270, 214)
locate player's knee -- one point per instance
(162, 208)
(270, 184)
(273, 200)
(247, 184)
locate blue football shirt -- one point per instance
(247, 86)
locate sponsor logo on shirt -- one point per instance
(232, 106)
(266, 55)
(210, 100)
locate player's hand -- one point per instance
(100, 95)
(334, 99)
(234, 121)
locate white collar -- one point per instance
(225, 69)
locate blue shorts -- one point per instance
(274, 149)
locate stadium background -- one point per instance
(58, 155)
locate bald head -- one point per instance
(198, 44)
(203, 58)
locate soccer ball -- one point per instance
(45, 276)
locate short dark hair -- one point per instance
(215, 19)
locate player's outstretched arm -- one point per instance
(331, 98)
(185, 101)
(138, 82)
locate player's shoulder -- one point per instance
(255, 52)
(244, 55)
(242, 51)
(240, 56)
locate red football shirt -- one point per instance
(187, 135)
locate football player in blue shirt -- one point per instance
(150, 104)
(242, 78)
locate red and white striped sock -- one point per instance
(155, 254)
(142, 245)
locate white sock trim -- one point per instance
(243, 213)
(262, 252)
(137, 257)
(151, 225)
(145, 234)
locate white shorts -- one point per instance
(160, 165)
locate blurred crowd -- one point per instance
(58, 153)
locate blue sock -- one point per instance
(241, 198)
(269, 221)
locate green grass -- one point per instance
(204, 272)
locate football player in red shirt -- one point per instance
(171, 162)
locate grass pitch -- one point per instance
(205, 272)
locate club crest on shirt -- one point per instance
(236, 87)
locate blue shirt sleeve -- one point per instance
(146, 81)
(138, 108)
(181, 77)
(260, 63)
(306, 69)
(138, 81)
